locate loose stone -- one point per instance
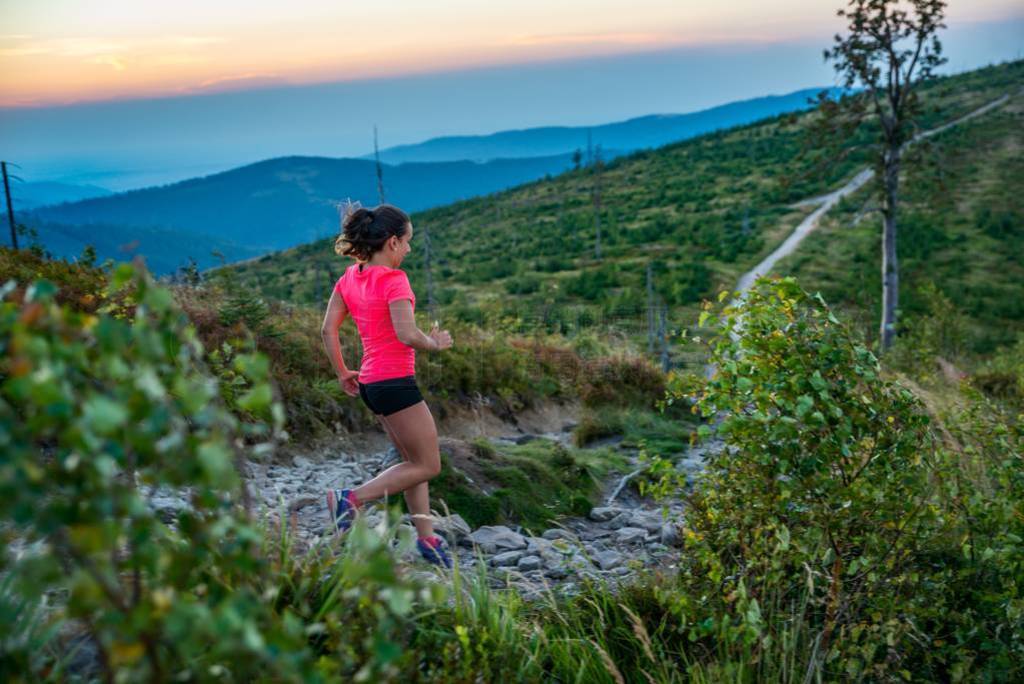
(507, 558)
(496, 538)
(604, 513)
(631, 535)
(528, 563)
(606, 560)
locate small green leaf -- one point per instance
(103, 415)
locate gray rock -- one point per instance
(497, 538)
(556, 533)
(669, 535)
(604, 513)
(528, 563)
(539, 545)
(631, 535)
(621, 520)
(556, 571)
(452, 527)
(507, 558)
(594, 535)
(621, 570)
(651, 522)
(302, 462)
(606, 560)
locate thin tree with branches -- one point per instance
(890, 48)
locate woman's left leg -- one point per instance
(417, 498)
(413, 427)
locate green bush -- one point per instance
(834, 507)
(97, 413)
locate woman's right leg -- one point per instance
(417, 498)
(414, 428)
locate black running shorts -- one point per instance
(390, 396)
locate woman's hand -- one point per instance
(349, 383)
(442, 339)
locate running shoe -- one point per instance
(434, 552)
(341, 509)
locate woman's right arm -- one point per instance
(336, 314)
(404, 322)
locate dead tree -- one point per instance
(10, 207)
(380, 168)
(595, 197)
(891, 47)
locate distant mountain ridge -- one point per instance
(43, 193)
(285, 201)
(269, 205)
(615, 139)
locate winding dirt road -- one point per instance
(826, 202)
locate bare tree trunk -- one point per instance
(596, 197)
(10, 208)
(650, 311)
(428, 268)
(890, 265)
(666, 361)
(380, 169)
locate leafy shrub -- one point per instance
(834, 507)
(100, 414)
(97, 414)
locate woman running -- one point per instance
(380, 300)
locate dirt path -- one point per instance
(624, 533)
(825, 202)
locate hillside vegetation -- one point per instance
(699, 213)
(852, 528)
(860, 519)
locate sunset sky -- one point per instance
(66, 51)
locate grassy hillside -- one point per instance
(699, 212)
(961, 238)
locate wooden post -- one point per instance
(597, 202)
(666, 363)
(380, 169)
(650, 310)
(10, 208)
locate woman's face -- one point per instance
(401, 246)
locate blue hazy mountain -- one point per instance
(286, 201)
(165, 250)
(614, 138)
(42, 193)
(266, 206)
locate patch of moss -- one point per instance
(663, 433)
(455, 490)
(529, 485)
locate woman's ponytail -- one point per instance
(364, 231)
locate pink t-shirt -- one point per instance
(367, 294)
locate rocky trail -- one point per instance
(620, 536)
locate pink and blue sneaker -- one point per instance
(342, 505)
(433, 551)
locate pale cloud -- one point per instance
(237, 81)
(85, 46)
(110, 60)
(533, 40)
